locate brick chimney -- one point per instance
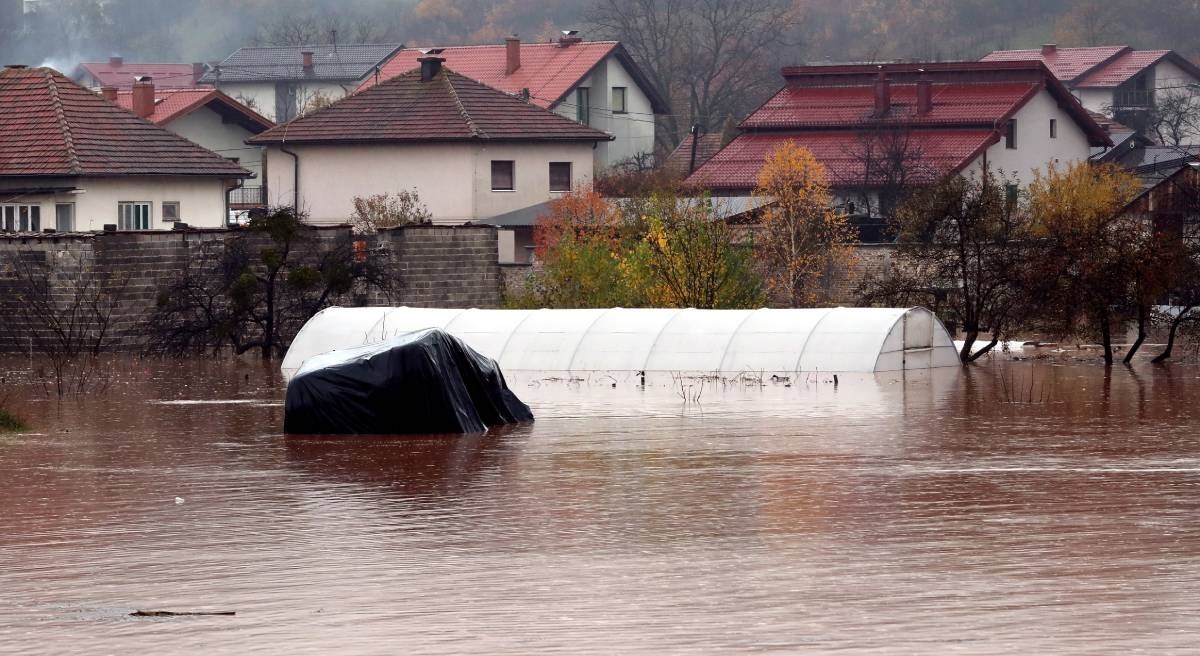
(430, 67)
(109, 94)
(198, 70)
(116, 61)
(512, 52)
(883, 95)
(1049, 49)
(143, 97)
(924, 95)
(308, 60)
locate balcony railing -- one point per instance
(245, 197)
(1133, 99)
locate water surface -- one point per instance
(1018, 508)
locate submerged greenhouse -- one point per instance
(663, 340)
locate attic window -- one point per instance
(618, 100)
(583, 101)
(1053, 128)
(1010, 135)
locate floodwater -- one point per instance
(1018, 508)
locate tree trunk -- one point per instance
(1106, 339)
(987, 348)
(969, 338)
(1166, 354)
(1141, 336)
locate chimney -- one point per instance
(430, 67)
(198, 71)
(568, 37)
(308, 61)
(883, 95)
(116, 61)
(109, 93)
(143, 97)
(924, 95)
(512, 51)
(1049, 49)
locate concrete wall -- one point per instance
(206, 128)
(438, 266)
(1035, 149)
(201, 199)
(453, 180)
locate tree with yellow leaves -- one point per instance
(1091, 268)
(803, 243)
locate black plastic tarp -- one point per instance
(421, 382)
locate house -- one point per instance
(207, 117)
(469, 151)
(692, 153)
(594, 82)
(1116, 81)
(119, 74)
(71, 160)
(878, 129)
(282, 82)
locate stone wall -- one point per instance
(436, 266)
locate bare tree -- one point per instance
(255, 291)
(710, 59)
(889, 165)
(65, 306)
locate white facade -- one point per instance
(632, 130)
(262, 96)
(1035, 149)
(452, 179)
(655, 340)
(97, 201)
(225, 138)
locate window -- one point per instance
(133, 216)
(618, 100)
(170, 211)
(583, 100)
(1011, 193)
(21, 218)
(1010, 135)
(503, 175)
(64, 217)
(1053, 128)
(560, 176)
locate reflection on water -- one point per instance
(1017, 508)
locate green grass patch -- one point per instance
(10, 423)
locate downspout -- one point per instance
(295, 177)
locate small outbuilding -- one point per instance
(663, 340)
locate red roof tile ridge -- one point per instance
(475, 131)
(63, 125)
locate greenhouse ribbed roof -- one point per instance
(671, 340)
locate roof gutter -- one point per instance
(295, 176)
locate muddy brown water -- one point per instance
(1021, 508)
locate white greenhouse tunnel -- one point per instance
(655, 340)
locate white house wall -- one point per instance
(261, 95)
(207, 129)
(1035, 149)
(633, 131)
(1096, 100)
(452, 180)
(201, 200)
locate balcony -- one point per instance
(1133, 99)
(244, 198)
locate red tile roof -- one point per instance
(176, 76)
(1067, 64)
(548, 70)
(843, 107)
(940, 152)
(831, 110)
(1123, 68)
(170, 104)
(450, 107)
(54, 127)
